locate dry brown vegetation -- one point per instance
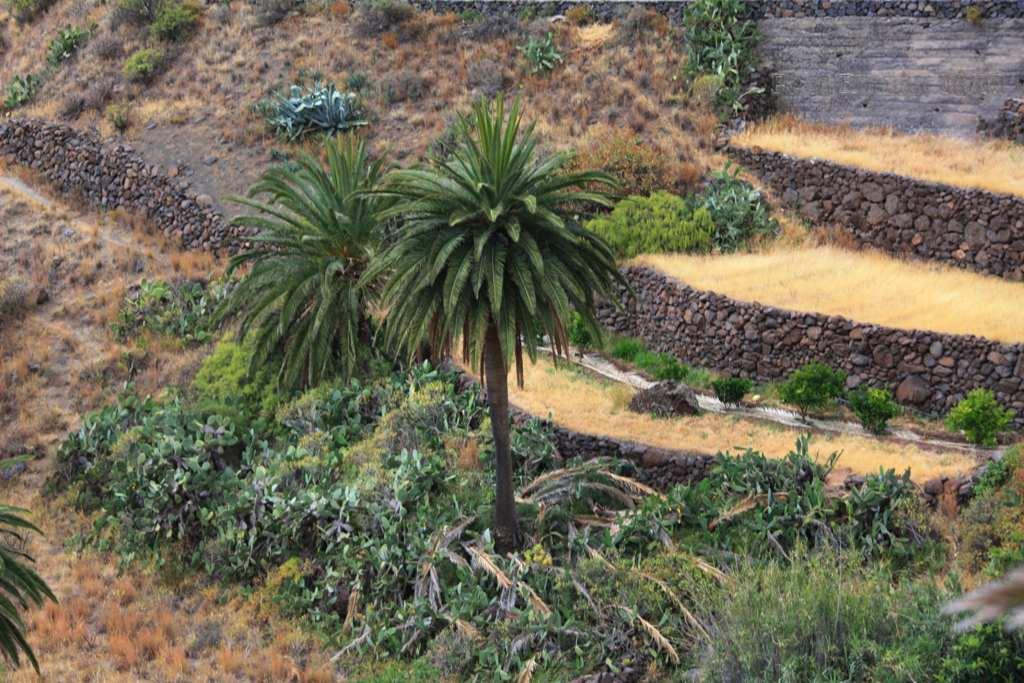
(865, 286)
(988, 165)
(434, 67)
(595, 406)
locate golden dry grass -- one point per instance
(988, 165)
(864, 286)
(594, 406)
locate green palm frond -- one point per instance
(20, 586)
(484, 241)
(303, 297)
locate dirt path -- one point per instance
(56, 362)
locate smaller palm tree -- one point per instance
(485, 256)
(20, 586)
(316, 230)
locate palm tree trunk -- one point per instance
(506, 520)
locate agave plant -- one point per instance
(303, 299)
(323, 109)
(20, 585)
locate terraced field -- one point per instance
(863, 286)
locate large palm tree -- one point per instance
(316, 230)
(20, 586)
(485, 257)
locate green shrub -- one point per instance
(874, 408)
(660, 223)
(22, 90)
(66, 44)
(815, 386)
(581, 335)
(660, 366)
(541, 54)
(737, 209)
(183, 310)
(175, 21)
(627, 349)
(992, 525)
(721, 39)
(143, 64)
(120, 116)
(226, 380)
(731, 390)
(980, 417)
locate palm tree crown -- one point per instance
(20, 585)
(484, 242)
(316, 231)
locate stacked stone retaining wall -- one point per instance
(110, 175)
(968, 228)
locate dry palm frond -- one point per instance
(427, 584)
(352, 612)
(992, 601)
(745, 505)
(467, 629)
(687, 614)
(594, 477)
(482, 560)
(657, 636)
(363, 637)
(526, 675)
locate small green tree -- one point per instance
(487, 258)
(874, 408)
(815, 386)
(20, 585)
(980, 417)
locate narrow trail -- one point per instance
(781, 416)
(112, 624)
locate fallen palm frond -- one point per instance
(745, 505)
(427, 583)
(482, 560)
(657, 636)
(671, 594)
(590, 479)
(526, 675)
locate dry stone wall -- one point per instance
(1008, 124)
(928, 370)
(971, 229)
(108, 175)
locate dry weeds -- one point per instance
(865, 286)
(988, 165)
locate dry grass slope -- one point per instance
(993, 165)
(864, 286)
(593, 406)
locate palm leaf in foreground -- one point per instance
(302, 298)
(485, 258)
(20, 586)
(1004, 598)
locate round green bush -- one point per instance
(815, 386)
(731, 390)
(143, 64)
(874, 408)
(980, 417)
(175, 21)
(660, 223)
